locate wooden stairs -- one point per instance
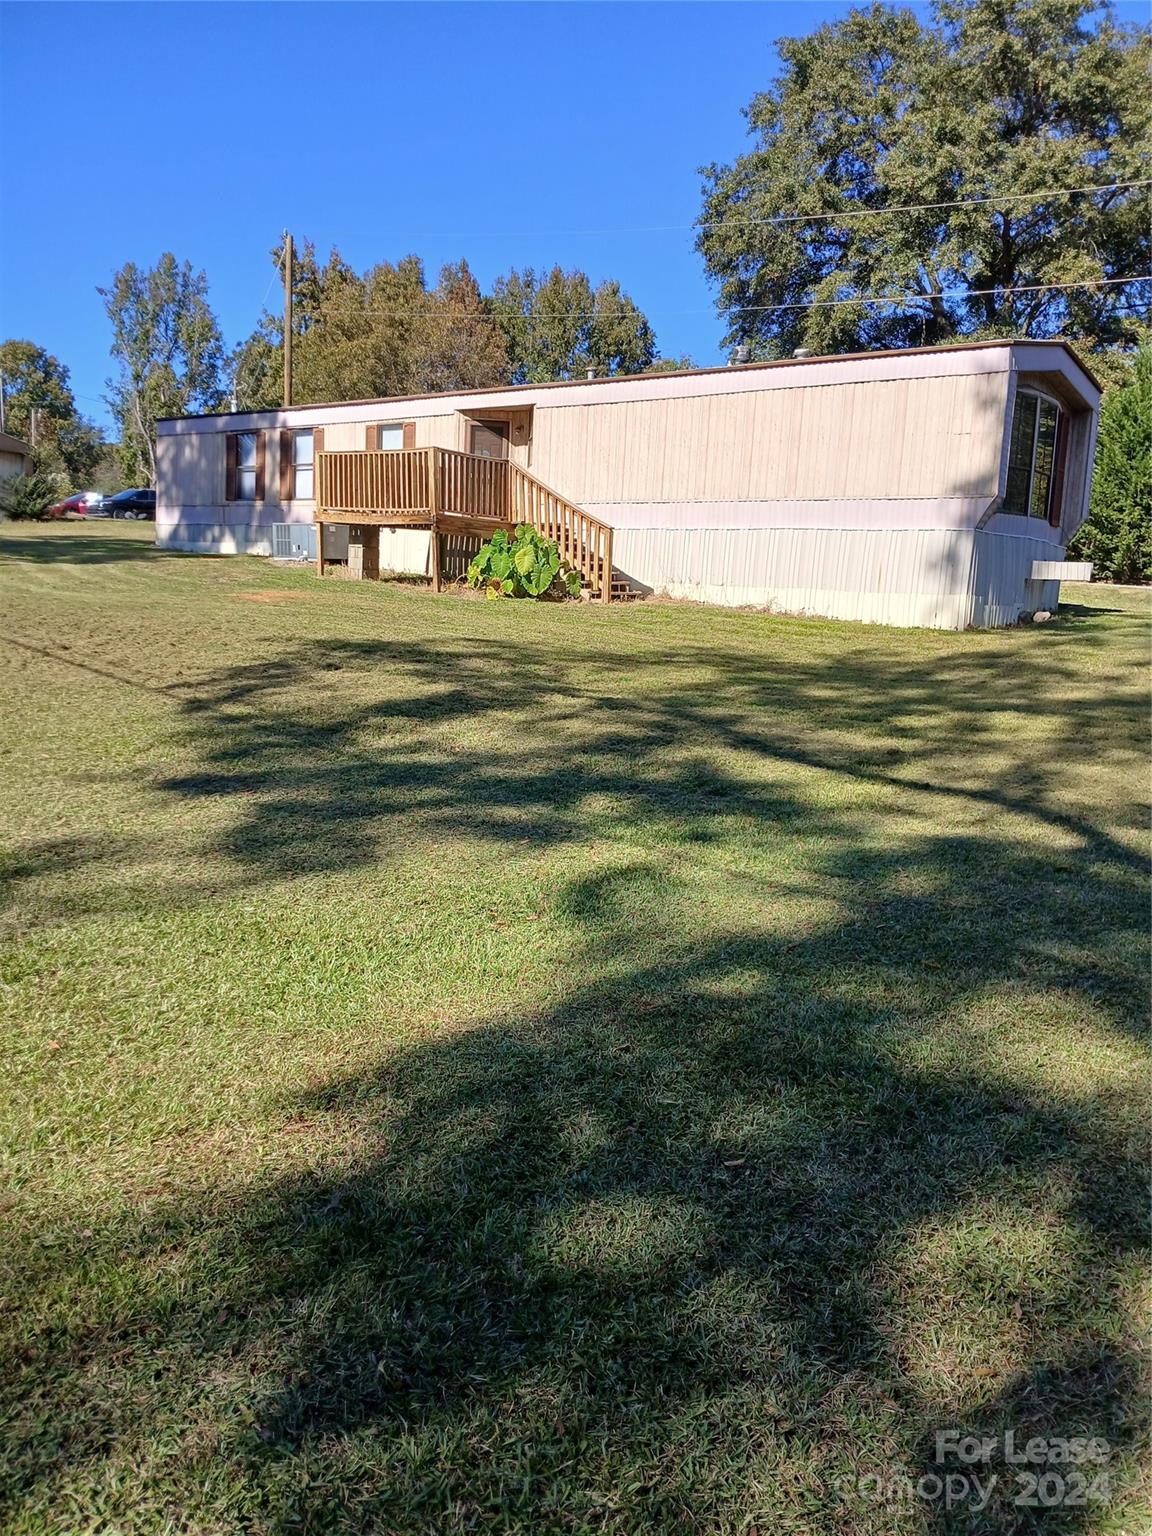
(622, 590)
(451, 493)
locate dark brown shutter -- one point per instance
(230, 454)
(409, 436)
(317, 450)
(372, 437)
(286, 477)
(260, 437)
(1056, 497)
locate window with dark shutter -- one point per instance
(388, 436)
(302, 465)
(243, 474)
(285, 466)
(231, 450)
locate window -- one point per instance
(1033, 457)
(302, 466)
(389, 436)
(244, 456)
(245, 466)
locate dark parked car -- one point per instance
(79, 504)
(137, 503)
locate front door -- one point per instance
(490, 439)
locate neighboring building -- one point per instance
(934, 486)
(15, 457)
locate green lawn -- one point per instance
(477, 1067)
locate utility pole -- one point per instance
(287, 318)
(2, 422)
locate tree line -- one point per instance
(382, 332)
(1009, 135)
(388, 331)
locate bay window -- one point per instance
(1035, 457)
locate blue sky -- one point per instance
(488, 131)
(511, 134)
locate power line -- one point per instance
(970, 202)
(945, 293)
(276, 270)
(738, 309)
(783, 218)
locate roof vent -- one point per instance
(742, 354)
(802, 352)
(591, 374)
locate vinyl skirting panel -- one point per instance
(927, 578)
(935, 578)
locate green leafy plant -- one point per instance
(28, 497)
(522, 564)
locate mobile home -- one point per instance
(15, 457)
(934, 486)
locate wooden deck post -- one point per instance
(319, 549)
(371, 552)
(606, 590)
(434, 513)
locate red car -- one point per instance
(77, 504)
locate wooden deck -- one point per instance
(452, 493)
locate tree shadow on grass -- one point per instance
(83, 549)
(699, 1247)
(328, 746)
(49, 856)
(742, 1217)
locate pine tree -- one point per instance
(1117, 537)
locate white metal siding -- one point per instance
(1002, 588)
(407, 551)
(886, 439)
(935, 578)
(911, 576)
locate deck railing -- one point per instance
(451, 493)
(470, 486)
(370, 483)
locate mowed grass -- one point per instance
(480, 1067)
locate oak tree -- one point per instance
(997, 100)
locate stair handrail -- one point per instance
(584, 541)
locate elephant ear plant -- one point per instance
(523, 564)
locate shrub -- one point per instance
(524, 564)
(28, 497)
(1117, 537)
